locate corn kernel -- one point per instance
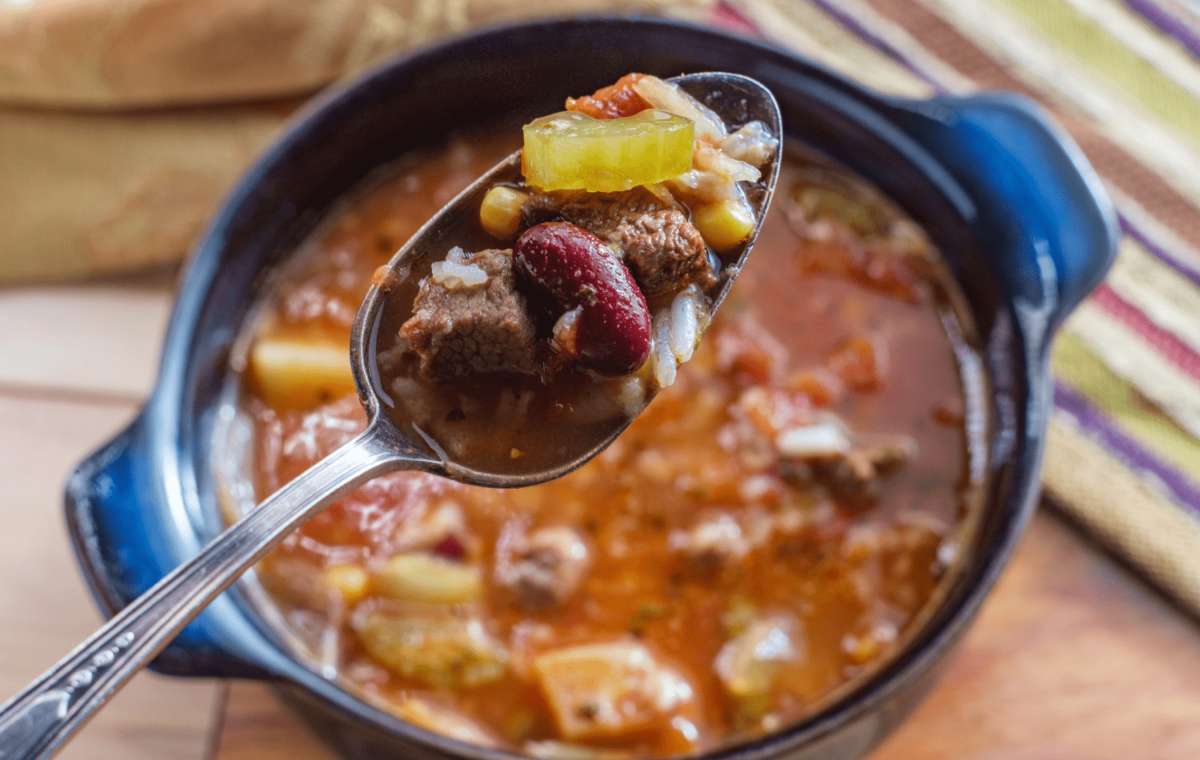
(348, 580)
(724, 224)
(500, 212)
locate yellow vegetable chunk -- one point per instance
(348, 580)
(549, 749)
(419, 577)
(442, 720)
(500, 212)
(605, 690)
(749, 664)
(724, 224)
(301, 372)
(444, 652)
(573, 151)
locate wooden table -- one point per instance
(1072, 657)
(75, 364)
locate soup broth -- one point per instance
(769, 529)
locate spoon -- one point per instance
(37, 722)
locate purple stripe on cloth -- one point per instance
(879, 43)
(1167, 23)
(1157, 251)
(1098, 427)
(885, 47)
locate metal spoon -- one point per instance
(36, 722)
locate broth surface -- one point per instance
(700, 531)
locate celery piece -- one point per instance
(573, 151)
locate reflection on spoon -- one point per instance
(567, 373)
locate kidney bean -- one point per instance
(450, 547)
(578, 271)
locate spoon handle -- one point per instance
(36, 722)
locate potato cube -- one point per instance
(605, 690)
(300, 372)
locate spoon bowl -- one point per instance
(36, 722)
(735, 99)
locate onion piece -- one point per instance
(753, 143)
(709, 159)
(824, 439)
(664, 359)
(667, 97)
(457, 273)
(748, 664)
(685, 325)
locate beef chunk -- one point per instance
(468, 317)
(545, 567)
(855, 476)
(712, 544)
(662, 249)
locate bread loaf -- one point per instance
(85, 194)
(120, 123)
(135, 53)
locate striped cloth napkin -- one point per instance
(1123, 78)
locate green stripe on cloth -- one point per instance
(1085, 39)
(1085, 480)
(1010, 44)
(1122, 403)
(801, 26)
(1121, 21)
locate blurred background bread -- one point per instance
(101, 193)
(123, 122)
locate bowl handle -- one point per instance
(1030, 183)
(122, 550)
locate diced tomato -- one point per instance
(877, 266)
(750, 352)
(860, 363)
(611, 102)
(774, 410)
(822, 387)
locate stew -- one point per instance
(581, 286)
(768, 530)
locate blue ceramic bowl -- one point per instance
(1021, 218)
